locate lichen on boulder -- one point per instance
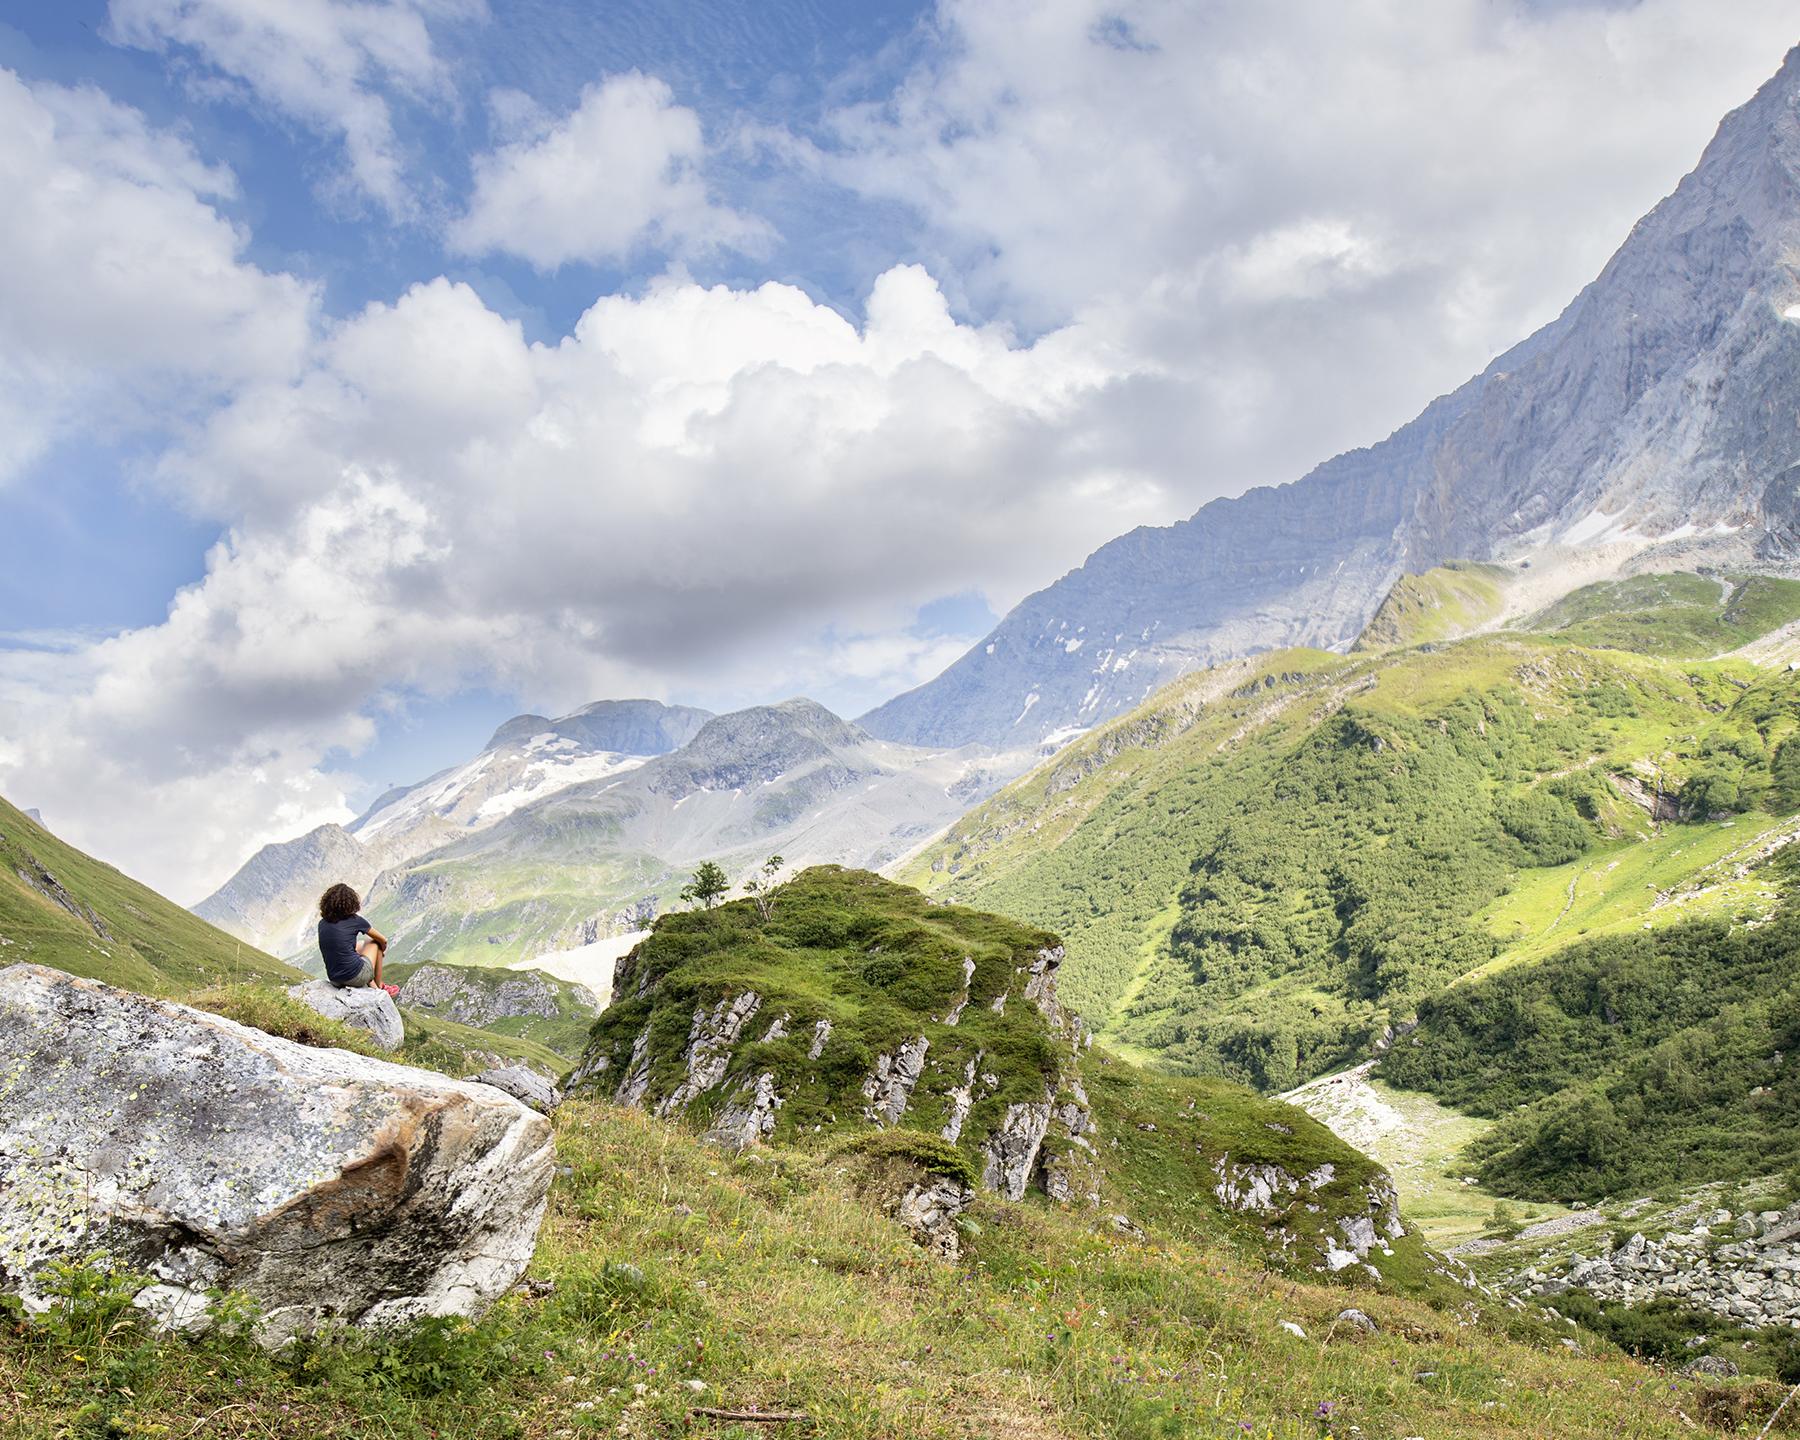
(210, 1156)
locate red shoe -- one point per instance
(393, 990)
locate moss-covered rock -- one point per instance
(932, 1037)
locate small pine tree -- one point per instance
(761, 887)
(707, 887)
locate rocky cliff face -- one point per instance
(1651, 424)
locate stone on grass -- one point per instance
(210, 1156)
(523, 1084)
(362, 1007)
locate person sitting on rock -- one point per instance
(351, 947)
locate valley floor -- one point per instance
(671, 1276)
(1419, 1142)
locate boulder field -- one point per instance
(210, 1156)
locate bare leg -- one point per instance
(371, 952)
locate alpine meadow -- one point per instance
(948, 718)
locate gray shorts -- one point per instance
(365, 972)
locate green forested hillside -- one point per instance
(1627, 1063)
(1268, 863)
(62, 908)
(1679, 614)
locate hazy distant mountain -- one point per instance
(602, 856)
(558, 835)
(1656, 414)
(270, 900)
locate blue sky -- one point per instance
(371, 370)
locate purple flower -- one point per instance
(1324, 1410)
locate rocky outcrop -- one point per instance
(362, 1007)
(710, 1040)
(749, 1118)
(1040, 983)
(210, 1156)
(524, 1085)
(1276, 1195)
(890, 1087)
(37, 878)
(1071, 1169)
(482, 997)
(1749, 1274)
(1010, 1154)
(930, 1209)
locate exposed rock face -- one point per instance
(1011, 1152)
(363, 1007)
(1071, 1170)
(209, 1155)
(890, 1087)
(1650, 424)
(526, 1086)
(930, 1209)
(480, 997)
(710, 1041)
(1272, 1192)
(750, 1118)
(1040, 983)
(1753, 1277)
(47, 885)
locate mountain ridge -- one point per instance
(1640, 428)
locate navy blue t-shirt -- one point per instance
(337, 944)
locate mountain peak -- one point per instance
(624, 727)
(1649, 426)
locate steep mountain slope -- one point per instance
(1651, 424)
(1275, 860)
(600, 857)
(1447, 602)
(270, 900)
(62, 908)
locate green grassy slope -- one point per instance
(564, 1032)
(1266, 864)
(62, 908)
(884, 967)
(677, 1277)
(1634, 1062)
(1677, 615)
(1442, 604)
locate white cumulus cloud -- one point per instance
(333, 66)
(621, 172)
(126, 298)
(738, 490)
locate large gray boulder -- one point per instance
(211, 1156)
(362, 1007)
(524, 1084)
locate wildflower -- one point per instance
(1324, 1410)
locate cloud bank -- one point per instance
(1139, 255)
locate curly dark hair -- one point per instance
(340, 902)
